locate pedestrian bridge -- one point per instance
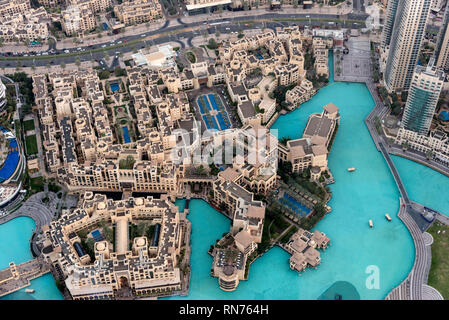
(16, 277)
(395, 173)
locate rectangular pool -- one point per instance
(126, 137)
(114, 86)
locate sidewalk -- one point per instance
(286, 10)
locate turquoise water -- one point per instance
(15, 247)
(424, 185)
(367, 193)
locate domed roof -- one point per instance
(101, 205)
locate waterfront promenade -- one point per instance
(15, 277)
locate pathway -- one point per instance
(17, 277)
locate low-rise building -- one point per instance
(138, 11)
(77, 20)
(141, 266)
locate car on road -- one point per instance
(119, 42)
(66, 51)
(103, 46)
(143, 35)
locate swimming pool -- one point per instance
(114, 86)
(126, 137)
(296, 206)
(97, 235)
(444, 115)
(11, 162)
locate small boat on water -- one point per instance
(351, 169)
(371, 223)
(388, 217)
(29, 290)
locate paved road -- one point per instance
(183, 30)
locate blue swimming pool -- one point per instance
(259, 56)
(296, 206)
(221, 121)
(114, 86)
(11, 162)
(126, 137)
(444, 115)
(97, 235)
(213, 101)
(105, 26)
(201, 106)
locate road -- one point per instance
(183, 31)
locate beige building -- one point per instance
(93, 5)
(11, 7)
(77, 20)
(312, 149)
(138, 11)
(303, 246)
(25, 27)
(140, 265)
(300, 94)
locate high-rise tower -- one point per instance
(442, 46)
(422, 98)
(405, 43)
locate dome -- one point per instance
(141, 242)
(100, 246)
(101, 205)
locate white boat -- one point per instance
(388, 217)
(29, 290)
(371, 223)
(351, 169)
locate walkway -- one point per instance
(395, 173)
(15, 277)
(414, 287)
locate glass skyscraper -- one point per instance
(422, 98)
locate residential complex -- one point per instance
(143, 265)
(280, 60)
(77, 20)
(9, 8)
(138, 11)
(26, 26)
(153, 133)
(422, 99)
(406, 38)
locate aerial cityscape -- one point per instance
(224, 150)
